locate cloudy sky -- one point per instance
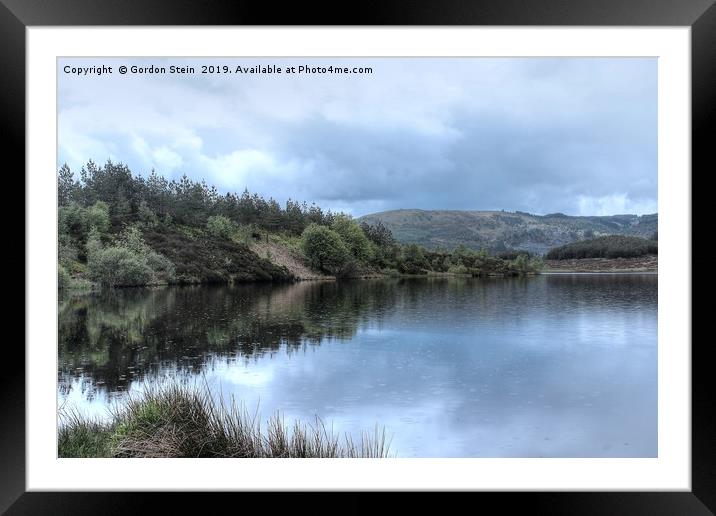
(575, 135)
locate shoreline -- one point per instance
(547, 271)
(648, 264)
(639, 265)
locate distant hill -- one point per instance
(501, 230)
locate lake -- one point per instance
(556, 365)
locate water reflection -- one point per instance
(558, 365)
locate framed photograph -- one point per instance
(272, 252)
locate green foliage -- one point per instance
(147, 217)
(463, 255)
(521, 263)
(97, 217)
(131, 238)
(221, 227)
(458, 269)
(72, 220)
(131, 262)
(66, 251)
(613, 246)
(324, 248)
(377, 233)
(94, 243)
(246, 233)
(536, 264)
(414, 261)
(385, 257)
(76, 225)
(512, 254)
(353, 236)
(63, 278)
(119, 267)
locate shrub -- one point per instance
(536, 264)
(119, 267)
(131, 238)
(351, 233)
(129, 263)
(521, 263)
(221, 227)
(324, 248)
(413, 260)
(458, 269)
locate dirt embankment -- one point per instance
(283, 256)
(648, 263)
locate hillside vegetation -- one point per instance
(498, 231)
(614, 246)
(116, 229)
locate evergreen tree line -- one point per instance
(154, 198)
(611, 246)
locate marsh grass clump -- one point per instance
(82, 437)
(179, 421)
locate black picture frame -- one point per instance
(700, 15)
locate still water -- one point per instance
(549, 366)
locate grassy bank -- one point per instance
(178, 421)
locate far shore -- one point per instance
(649, 263)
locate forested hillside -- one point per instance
(120, 229)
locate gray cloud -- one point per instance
(576, 135)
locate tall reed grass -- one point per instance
(173, 420)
